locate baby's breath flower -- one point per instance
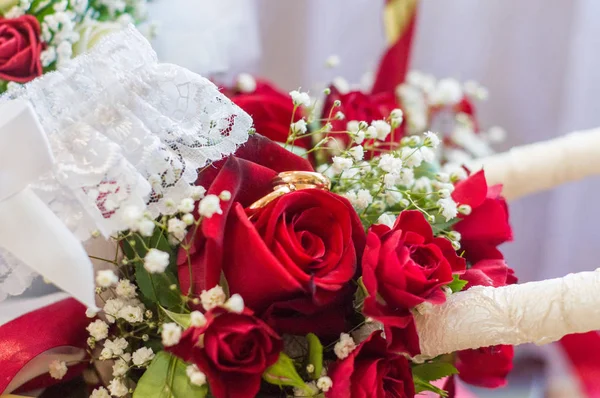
(464, 209)
(411, 157)
(300, 127)
(120, 368)
(396, 117)
(212, 298)
(341, 85)
(353, 126)
(186, 205)
(363, 199)
(300, 98)
(111, 309)
(198, 192)
(390, 180)
(246, 83)
(197, 319)
(100, 392)
(131, 314)
(171, 334)
(142, 355)
(359, 137)
(126, 289)
(339, 115)
(454, 235)
(389, 163)
(106, 278)
(310, 368)
(427, 154)
(178, 228)
(235, 304)
(196, 376)
(387, 219)
(57, 369)
(371, 132)
(90, 313)
(340, 164)
(324, 383)
(98, 330)
(345, 346)
(188, 219)
(117, 388)
(447, 92)
(156, 261)
(448, 208)
(431, 140)
(116, 347)
(209, 206)
(357, 152)
(407, 177)
(146, 227)
(382, 128)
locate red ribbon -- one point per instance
(583, 351)
(61, 324)
(394, 64)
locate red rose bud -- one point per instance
(20, 49)
(486, 226)
(371, 371)
(232, 349)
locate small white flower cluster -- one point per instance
(300, 98)
(19, 9)
(436, 104)
(344, 346)
(59, 32)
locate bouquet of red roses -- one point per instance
(275, 280)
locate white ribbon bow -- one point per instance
(29, 230)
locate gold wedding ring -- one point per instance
(290, 181)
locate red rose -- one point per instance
(371, 371)
(493, 272)
(271, 110)
(487, 226)
(296, 256)
(405, 266)
(20, 49)
(233, 350)
(485, 367)
(359, 106)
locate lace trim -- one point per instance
(125, 130)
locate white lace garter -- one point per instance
(124, 130)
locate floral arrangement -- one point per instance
(36, 36)
(275, 280)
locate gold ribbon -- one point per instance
(397, 15)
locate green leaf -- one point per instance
(182, 320)
(360, 295)
(421, 385)
(457, 284)
(157, 287)
(283, 373)
(166, 378)
(315, 355)
(224, 284)
(433, 371)
(444, 225)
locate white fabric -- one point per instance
(124, 130)
(535, 312)
(205, 36)
(31, 233)
(538, 167)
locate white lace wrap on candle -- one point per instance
(534, 312)
(538, 167)
(124, 130)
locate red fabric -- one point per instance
(583, 350)
(21, 340)
(394, 64)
